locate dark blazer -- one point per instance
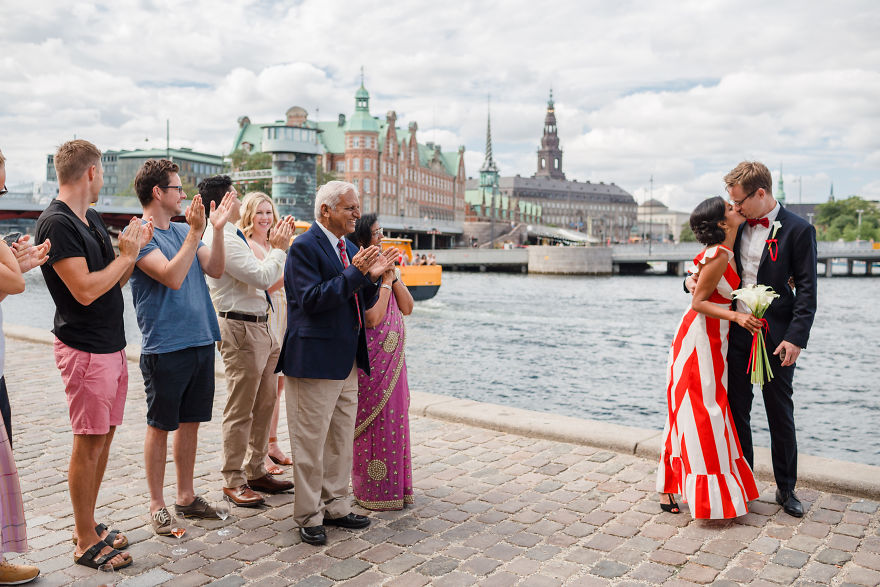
(323, 338)
(791, 315)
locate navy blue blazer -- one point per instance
(323, 338)
(790, 316)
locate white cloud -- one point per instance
(680, 92)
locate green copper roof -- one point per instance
(179, 154)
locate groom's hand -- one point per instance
(788, 353)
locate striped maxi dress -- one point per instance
(701, 458)
(13, 530)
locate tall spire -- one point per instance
(489, 161)
(550, 154)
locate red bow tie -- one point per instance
(765, 222)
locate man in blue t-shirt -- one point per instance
(179, 328)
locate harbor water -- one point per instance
(596, 348)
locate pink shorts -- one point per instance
(96, 385)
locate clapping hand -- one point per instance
(220, 214)
(135, 236)
(195, 215)
(28, 255)
(281, 234)
(364, 258)
(382, 263)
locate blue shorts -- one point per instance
(179, 386)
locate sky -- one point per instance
(678, 91)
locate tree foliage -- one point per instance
(687, 235)
(325, 176)
(241, 160)
(839, 219)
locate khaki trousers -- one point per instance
(250, 354)
(320, 419)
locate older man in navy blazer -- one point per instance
(329, 284)
(775, 248)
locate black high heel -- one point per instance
(670, 507)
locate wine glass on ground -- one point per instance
(178, 529)
(108, 575)
(222, 509)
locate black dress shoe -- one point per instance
(352, 521)
(791, 505)
(313, 535)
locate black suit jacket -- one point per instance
(323, 336)
(791, 315)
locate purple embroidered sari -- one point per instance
(381, 475)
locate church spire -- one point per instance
(550, 155)
(489, 161)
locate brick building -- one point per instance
(417, 189)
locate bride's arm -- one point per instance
(710, 275)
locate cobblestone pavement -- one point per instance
(491, 509)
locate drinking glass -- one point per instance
(178, 529)
(108, 575)
(222, 509)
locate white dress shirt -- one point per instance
(334, 242)
(751, 248)
(242, 287)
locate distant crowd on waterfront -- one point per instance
(319, 318)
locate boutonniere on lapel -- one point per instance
(772, 243)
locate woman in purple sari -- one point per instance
(381, 475)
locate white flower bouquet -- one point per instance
(758, 298)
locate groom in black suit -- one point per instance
(775, 248)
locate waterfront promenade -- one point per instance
(491, 507)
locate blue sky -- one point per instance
(680, 91)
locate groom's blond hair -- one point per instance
(751, 175)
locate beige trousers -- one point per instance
(320, 419)
(250, 354)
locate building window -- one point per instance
(356, 142)
(340, 166)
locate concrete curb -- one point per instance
(820, 473)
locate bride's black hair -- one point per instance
(705, 219)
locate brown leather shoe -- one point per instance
(243, 496)
(269, 484)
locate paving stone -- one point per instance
(832, 556)
(764, 545)
(609, 569)
(401, 563)
(652, 572)
(820, 573)
(438, 566)
(668, 557)
(148, 579)
(791, 558)
(862, 576)
(346, 569)
(697, 573)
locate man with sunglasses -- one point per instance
(775, 248)
(85, 278)
(248, 349)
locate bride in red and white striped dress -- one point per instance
(701, 458)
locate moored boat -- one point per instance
(422, 281)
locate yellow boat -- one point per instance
(422, 281)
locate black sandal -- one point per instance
(670, 507)
(110, 538)
(90, 558)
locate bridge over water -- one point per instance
(627, 258)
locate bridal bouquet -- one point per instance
(758, 298)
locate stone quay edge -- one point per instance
(824, 474)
